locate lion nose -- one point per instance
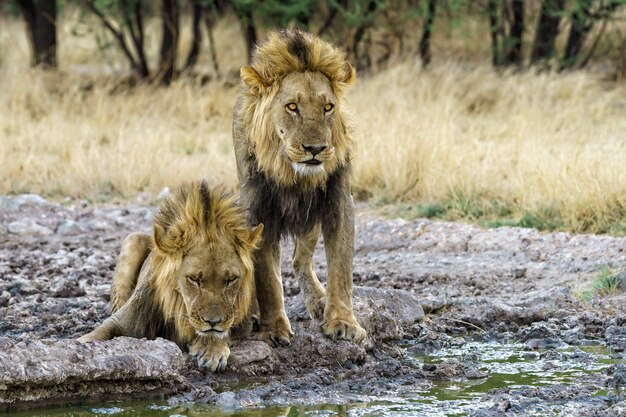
(314, 149)
(212, 321)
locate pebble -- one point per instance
(28, 227)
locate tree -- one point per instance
(514, 40)
(585, 14)
(124, 19)
(169, 41)
(40, 17)
(547, 30)
(424, 46)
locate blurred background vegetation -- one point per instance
(501, 112)
(559, 34)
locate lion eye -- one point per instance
(195, 279)
(328, 107)
(292, 107)
(232, 279)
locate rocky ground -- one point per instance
(57, 261)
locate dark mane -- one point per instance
(294, 210)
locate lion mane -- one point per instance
(283, 53)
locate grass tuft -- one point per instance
(607, 282)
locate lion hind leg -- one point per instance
(135, 250)
(313, 292)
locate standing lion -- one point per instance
(293, 146)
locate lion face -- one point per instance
(210, 281)
(304, 114)
(291, 116)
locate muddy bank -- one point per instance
(57, 261)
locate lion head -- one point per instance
(294, 108)
(203, 261)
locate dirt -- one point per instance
(57, 261)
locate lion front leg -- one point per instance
(339, 320)
(210, 353)
(313, 292)
(275, 328)
(105, 331)
(135, 250)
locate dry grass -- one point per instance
(544, 150)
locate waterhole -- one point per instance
(497, 365)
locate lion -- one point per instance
(293, 146)
(192, 281)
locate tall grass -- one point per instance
(456, 141)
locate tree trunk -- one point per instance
(169, 42)
(494, 30)
(514, 52)
(209, 22)
(196, 42)
(547, 30)
(249, 31)
(424, 46)
(40, 19)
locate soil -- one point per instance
(57, 261)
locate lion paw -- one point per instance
(344, 329)
(315, 306)
(213, 356)
(277, 334)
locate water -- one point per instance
(507, 364)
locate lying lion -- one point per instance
(192, 281)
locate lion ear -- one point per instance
(350, 74)
(256, 235)
(252, 79)
(158, 235)
(170, 241)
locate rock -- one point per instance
(448, 369)
(5, 297)
(616, 337)
(431, 304)
(164, 193)
(68, 289)
(52, 370)
(28, 227)
(226, 399)
(70, 228)
(540, 344)
(96, 225)
(29, 200)
(7, 203)
(518, 272)
(385, 314)
(248, 352)
(622, 280)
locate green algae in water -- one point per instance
(507, 366)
